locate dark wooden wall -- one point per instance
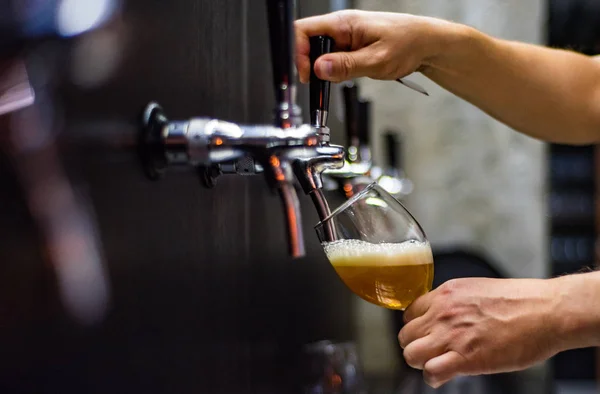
(202, 295)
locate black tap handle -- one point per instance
(364, 126)
(320, 90)
(351, 102)
(281, 15)
(392, 148)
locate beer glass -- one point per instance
(378, 249)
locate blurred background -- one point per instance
(112, 283)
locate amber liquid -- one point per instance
(388, 275)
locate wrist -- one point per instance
(576, 315)
(453, 47)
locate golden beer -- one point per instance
(389, 275)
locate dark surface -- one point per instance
(320, 90)
(352, 118)
(203, 296)
(364, 130)
(572, 196)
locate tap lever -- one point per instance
(352, 119)
(364, 126)
(319, 89)
(364, 131)
(391, 145)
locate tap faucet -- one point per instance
(283, 151)
(355, 175)
(310, 169)
(357, 137)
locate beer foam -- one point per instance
(356, 252)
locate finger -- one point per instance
(420, 351)
(303, 67)
(441, 369)
(436, 384)
(342, 66)
(418, 307)
(302, 56)
(337, 25)
(413, 330)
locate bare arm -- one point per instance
(549, 94)
(578, 311)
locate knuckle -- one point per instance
(450, 287)
(348, 65)
(471, 346)
(448, 314)
(347, 15)
(466, 342)
(454, 337)
(344, 27)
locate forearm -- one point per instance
(549, 94)
(577, 312)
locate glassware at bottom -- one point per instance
(332, 368)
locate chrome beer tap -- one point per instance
(355, 175)
(310, 169)
(283, 152)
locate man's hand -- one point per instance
(530, 88)
(378, 45)
(480, 326)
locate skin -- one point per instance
(479, 326)
(549, 94)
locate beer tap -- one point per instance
(357, 136)
(392, 176)
(283, 151)
(309, 170)
(360, 170)
(355, 174)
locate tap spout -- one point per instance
(308, 171)
(291, 207)
(324, 212)
(308, 168)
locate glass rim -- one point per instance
(347, 203)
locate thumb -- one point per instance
(343, 66)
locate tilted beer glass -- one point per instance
(378, 249)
